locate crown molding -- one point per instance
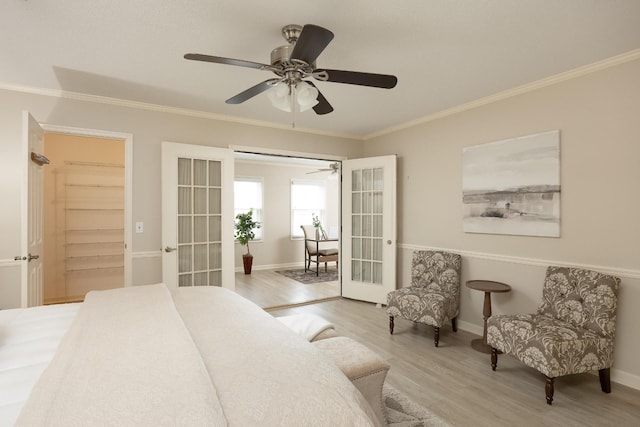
(529, 87)
(76, 96)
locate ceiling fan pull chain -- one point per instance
(293, 106)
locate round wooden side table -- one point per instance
(486, 286)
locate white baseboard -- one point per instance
(272, 267)
(470, 327)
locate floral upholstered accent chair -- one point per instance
(572, 331)
(434, 295)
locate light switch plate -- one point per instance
(139, 227)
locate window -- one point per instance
(247, 194)
(308, 197)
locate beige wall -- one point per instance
(598, 119)
(600, 169)
(277, 249)
(149, 129)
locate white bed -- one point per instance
(147, 355)
(28, 341)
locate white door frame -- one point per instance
(128, 185)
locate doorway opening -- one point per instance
(278, 278)
(84, 216)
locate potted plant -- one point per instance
(244, 233)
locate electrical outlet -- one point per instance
(139, 227)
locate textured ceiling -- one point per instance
(444, 53)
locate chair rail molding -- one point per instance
(614, 271)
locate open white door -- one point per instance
(197, 216)
(368, 254)
(32, 206)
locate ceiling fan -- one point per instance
(293, 64)
(333, 168)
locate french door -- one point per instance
(368, 255)
(197, 216)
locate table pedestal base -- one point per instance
(479, 345)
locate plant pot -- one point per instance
(247, 262)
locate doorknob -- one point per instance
(169, 249)
(32, 257)
(388, 242)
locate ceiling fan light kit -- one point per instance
(293, 64)
(301, 96)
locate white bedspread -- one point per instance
(193, 356)
(28, 340)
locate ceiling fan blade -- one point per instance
(252, 91)
(323, 106)
(385, 81)
(312, 41)
(228, 61)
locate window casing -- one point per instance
(247, 194)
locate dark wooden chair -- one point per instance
(314, 250)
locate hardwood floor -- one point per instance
(269, 289)
(457, 383)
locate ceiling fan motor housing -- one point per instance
(281, 54)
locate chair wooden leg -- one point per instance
(605, 380)
(454, 324)
(494, 358)
(391, 325)
(436, 335)
(548, 390)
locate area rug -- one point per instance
(309, 277)
(402, 412)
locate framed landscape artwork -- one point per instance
(513, 186)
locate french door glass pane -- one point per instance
(184, 200)
(355, 270)
(376, 273)
(376, 226)
(200, 261)
(356, 225)
(184, 229)
(215, 201)
(356, 180)
(200, 229)
(184, 258)
(377, 250)
(199, 172)
(215, 228)
(378, 179)
(356, 248)
(200, 200)
(184, 171)
(201, 279)
(366, 225)
(185, 280)
(215, 173)
(215, 256)
(215, 278)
